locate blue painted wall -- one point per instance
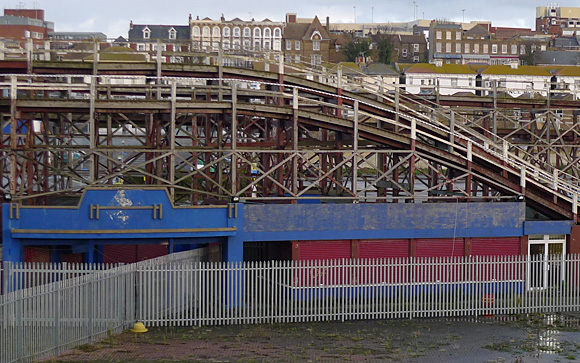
(121, 221)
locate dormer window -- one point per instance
(146, 33)
(172, 34)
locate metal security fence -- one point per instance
(299, 291)
(180, 289)
(75, 305)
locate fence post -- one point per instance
(19, 324)
(56, 293)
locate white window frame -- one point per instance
(297, 45)
(288, 45)
(172, 34)
(316, 45)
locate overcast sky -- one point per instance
(112, 16)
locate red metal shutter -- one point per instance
(119, 253)
(383, 248)
(72, 257)
(147, 252)
(324, 250)
(439, 247)
(499, 246)
(37, 254)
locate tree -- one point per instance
(356, 48)
(385, 48)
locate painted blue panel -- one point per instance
(386, 220)
(548, 227)
(119, 219)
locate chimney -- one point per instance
(328, 23)
(131, 25)
(290, 18)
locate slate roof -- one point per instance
(303, 31)
(158, 32)
(431, 68)
(558, 57)
(477, 32)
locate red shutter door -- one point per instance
(324, 250)
(487, 248)
(388, 272)
(439, 247)
(119, 254)
(432, 263)
(383, 248)
(316, 274)
(147, 252)
(37, 254)
(500, 246)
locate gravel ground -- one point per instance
(535, 338)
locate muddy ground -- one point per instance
(534, 338)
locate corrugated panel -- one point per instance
(383, 248)
(72, 257)
(501, 246)
(37, 254)
(439, 247)
(147, 252)
(323, 250)
(119, 253)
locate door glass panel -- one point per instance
(555, 251)
(537, 252)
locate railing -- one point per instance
(178, 289)
(44, 320)
(298, 291)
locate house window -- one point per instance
(297, 58)
(141, 47)
(416, 59)
(288, 45)
(257, 32)
(315, 59)
(297, 45)
(467, 48)
(247, 33)
(226, 43)
(247, 44)
(146, 33)
(448, 35)
(172, 34)
(458, 36)
(226, 32)
(447, 47)
(485, 48)
(236, 44)
(237, 32)
(522, 49)
(316, 45)
(439, 34)
(476, 48)
(196, 32)
(277, 44)
(256, 44)
(457, 47)
(514, 49)
(267, 33)
(494, 48)
(404, 53)
(277, 33)
(267, 44)
(415, 48)
(504, 49)
(216, 32)
(453, 82)
(438, 47)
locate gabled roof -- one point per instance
(477, 31)
(558, 57)
(304, 31)
(408, 39)
(158, 32)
